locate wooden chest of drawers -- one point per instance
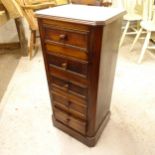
(80, 58)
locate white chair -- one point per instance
(149, 26)
(134, 14)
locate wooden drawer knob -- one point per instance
(69, 103)
(68, 120)
(64, 65)
(62, 36)
(66, 86)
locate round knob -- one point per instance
(68, 119)
(69, 103)
(66, 86)
(63, 37)
(64, 65)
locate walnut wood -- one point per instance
(74, 38)
(64, 25)
(70, 121)
(89, 141)
(108, 59)
(64, 50)
(80, 75)
(68, 64)
(68, 86)
(55, 71)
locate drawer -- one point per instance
(70, 87)
(68, 76)
(66, 51)
(70, 37)
(70, 65)
(70, 105)
(65, 25)
(70, 121)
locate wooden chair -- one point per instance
(92, 2)
(149, 26)
(62, 2)
(28, 8)
(3, 15)
(134, 14)
(11, 10)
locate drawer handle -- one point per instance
(69, 104)
(66, 86)
(64, 65)
(68, 120)
(63, 37)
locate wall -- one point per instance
(5, 30)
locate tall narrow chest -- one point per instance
(80, 46)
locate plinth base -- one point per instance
(89, 141)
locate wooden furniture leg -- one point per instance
(32, 42)
(21, 35)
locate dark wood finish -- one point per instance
(80, 74)
(67, 119)
(70, 37)
(69, 86)
(90, 141)
(68, 64)
(71, 106)
(66, 50)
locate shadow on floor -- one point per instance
(9, 60)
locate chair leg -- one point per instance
(35, 47)
(146, 42)
(124, 33)
(21, 34)
(136, 38)
(32, 40)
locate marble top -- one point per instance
(93, 15)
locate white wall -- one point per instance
(6, 36)
(117, 3)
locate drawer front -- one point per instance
(66, 51)
(69, 105)
(70, 37)
(68, 64)
(67, 86)
(68, 76)
(70, 121)
(66, 25)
